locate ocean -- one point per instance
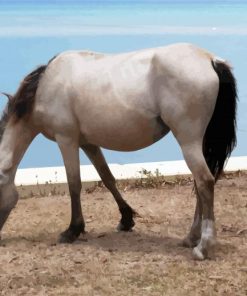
(31, 32)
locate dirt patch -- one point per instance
(147, 261)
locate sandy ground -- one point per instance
(147, 261)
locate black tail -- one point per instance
(220, 137)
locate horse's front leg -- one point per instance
(70, 152)
(97, 158)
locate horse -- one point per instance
(125, 102)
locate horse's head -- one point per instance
(8, 192)
(8, 197)
(5, 114)
(16, 134)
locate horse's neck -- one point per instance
(15, 140)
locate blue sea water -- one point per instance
(31, 32)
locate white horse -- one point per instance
(125, 102)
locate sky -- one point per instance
(31, 32)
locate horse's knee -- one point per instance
(209, 179)
(205, 182)
(108, 180)
(75, 188)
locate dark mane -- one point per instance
(21, 103)
(23, 100)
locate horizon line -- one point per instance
(63, 31)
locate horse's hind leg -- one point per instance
(95, 155)
(70, 153)
(205, 189)
(195, 232)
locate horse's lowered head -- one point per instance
(16, 134)
(8, 192)
(5, 113)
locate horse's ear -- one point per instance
(10, 97)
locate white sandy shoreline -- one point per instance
(51, 175)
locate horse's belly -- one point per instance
(125, 135)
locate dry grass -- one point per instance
(148, 261)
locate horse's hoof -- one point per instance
(67, 237)
(121, 227)
(126, 223)
(199, 254)
(128, 227)
(71, 234)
